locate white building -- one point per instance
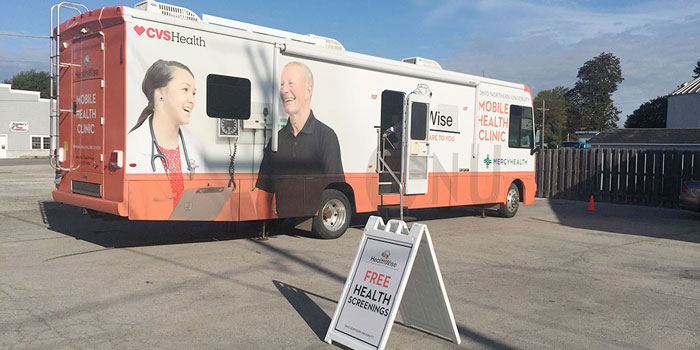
(684, 107)
(24, 124)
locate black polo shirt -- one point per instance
(301, 168)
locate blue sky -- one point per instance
(539, 43)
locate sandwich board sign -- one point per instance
(395, 270)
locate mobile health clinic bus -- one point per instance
(160, 114)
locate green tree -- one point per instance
(557, 104)
(592, 105)
(31, 80)
(696, 70)
(651, 114)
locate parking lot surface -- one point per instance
(554, 276)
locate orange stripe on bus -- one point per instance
(149, 193)
(149, 197)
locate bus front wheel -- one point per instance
(510, 207)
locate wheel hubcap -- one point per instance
(333, 215)
(512, 201)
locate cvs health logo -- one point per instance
(153, 32)
(175, 37)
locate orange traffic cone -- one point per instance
(591, 204)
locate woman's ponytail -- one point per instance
(142, 118)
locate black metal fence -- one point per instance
(646, 177)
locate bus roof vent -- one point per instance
(420, 61)
(168, 10)
(328, 43)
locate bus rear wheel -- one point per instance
(510, 207)
(333, 216)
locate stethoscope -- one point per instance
(159, 155)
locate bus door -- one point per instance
(417, 147)
(86, 142)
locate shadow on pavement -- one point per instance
(309, 311)
(115, 232)
(110, 231)
(319, 321)
(675, 224)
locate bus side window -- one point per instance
(520, 124)
(419, 121)
(228, 97)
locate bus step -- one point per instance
(391, 207)
(389, 188)
(387, 184)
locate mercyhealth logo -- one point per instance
(162, 34)
(504, 161)
(487, 161)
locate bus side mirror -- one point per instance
(534, 150)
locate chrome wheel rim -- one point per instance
(333, 215)
(512, 200)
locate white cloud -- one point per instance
(543, 45)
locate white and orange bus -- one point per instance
(461, 140)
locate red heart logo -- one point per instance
(139, 29)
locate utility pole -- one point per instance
(543, 109)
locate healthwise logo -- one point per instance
(383, 260)
(168, 35)
(86, 72)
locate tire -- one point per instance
(510, 207)
(334, 214)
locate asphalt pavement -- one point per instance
(556, 276)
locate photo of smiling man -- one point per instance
(308, 156)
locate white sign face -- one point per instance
(19, 126)
(394, 270)
(373, 290)
(444, 118)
